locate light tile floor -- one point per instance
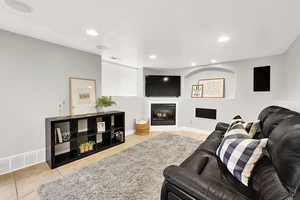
(23, 184)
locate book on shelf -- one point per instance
(59, 135)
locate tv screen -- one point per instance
(162, 86)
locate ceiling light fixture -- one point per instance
(152, 57)
(223, 39)
(194, 64)
(114, 58)
(101, 47)
(213, 61)
(92, 32)
(19, 6)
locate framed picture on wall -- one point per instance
(82, 95)
(213, 88)
(197, 91)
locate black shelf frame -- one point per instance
(77, 137)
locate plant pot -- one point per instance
(103, 109)
(91, 147)
(81, 150)
(86, 148)
(99, 109)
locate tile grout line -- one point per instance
(16, 188)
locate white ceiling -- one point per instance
(179, 32)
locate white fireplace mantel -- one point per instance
(162, 128)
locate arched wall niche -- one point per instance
(192, 76)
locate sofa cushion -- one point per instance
(271, 117)
(284, 152)
(238, 152)
(266, 183)
(210, 184)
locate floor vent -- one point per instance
(20, 161)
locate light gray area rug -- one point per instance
(133, 174)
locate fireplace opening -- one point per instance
(163, 114)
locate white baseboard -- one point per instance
(163, 128)
(129, 132)
(20, 161)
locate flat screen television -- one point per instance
(163, 86)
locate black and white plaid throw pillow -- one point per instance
(250, 127)
(239, 152)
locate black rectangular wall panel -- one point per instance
(262, 79)
(206, 113)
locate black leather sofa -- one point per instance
(275, 177)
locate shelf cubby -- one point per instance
(81, 129)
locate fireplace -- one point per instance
(163, 114)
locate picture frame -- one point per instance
(213, 88)
(100, 127)
(197, 91)
(82, 95)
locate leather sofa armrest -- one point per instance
(199, 188)
(221, 126)
(212, 142)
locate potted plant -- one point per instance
(81, 147)
(91, 145)
(86, 147)
(104, 102)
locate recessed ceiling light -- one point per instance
(101, 47)
(152, 57)
(114, 58)
(223, 39)
(19, 6)
(92, 32)
(194, 64)
(213, 61)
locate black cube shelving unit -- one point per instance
(114, 134)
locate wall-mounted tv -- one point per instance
(163, 86)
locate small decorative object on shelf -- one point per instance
(66, 136)
(104, 102)
(81, 148)
(100, 127)
(87, 146)
(120, 136)
(91, 145)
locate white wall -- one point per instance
(119, 80)
(240, 97)
(133, 108)
(34, 81)
(292, 72)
